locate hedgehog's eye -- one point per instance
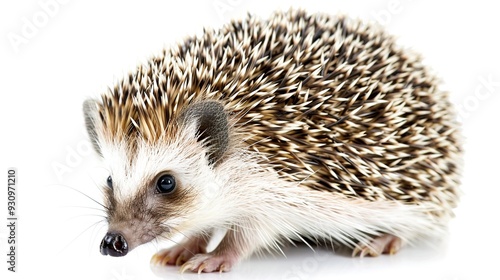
(165, 184)
(109, 181)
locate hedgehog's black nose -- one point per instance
(114, 244)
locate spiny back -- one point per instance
(327, 101)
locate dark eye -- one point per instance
(109, 181)
(165, 184)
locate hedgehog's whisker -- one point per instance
(79, 235)
(97, 185)
(181, 233)
(86, 195)
(85, 207)
(85, 215)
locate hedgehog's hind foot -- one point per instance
(384, 244)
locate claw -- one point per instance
(180, 260)
(154, 259)
(394, 246)
(363, 253)
(158, 259)
(184, 267)
(360, 251)
(355, 252)
(201, 267)
(165, 260)
(384, 244)
(371, 252)
(222, 268)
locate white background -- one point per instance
(75, 49)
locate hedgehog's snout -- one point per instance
(114, 244)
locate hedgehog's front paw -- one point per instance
(209, 263)
(384, 244)
(179, 254)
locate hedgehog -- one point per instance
(302, 128)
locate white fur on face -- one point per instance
(182, 157)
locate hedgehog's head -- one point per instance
(160, 182)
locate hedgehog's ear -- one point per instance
(212, 126)
(91, 114)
